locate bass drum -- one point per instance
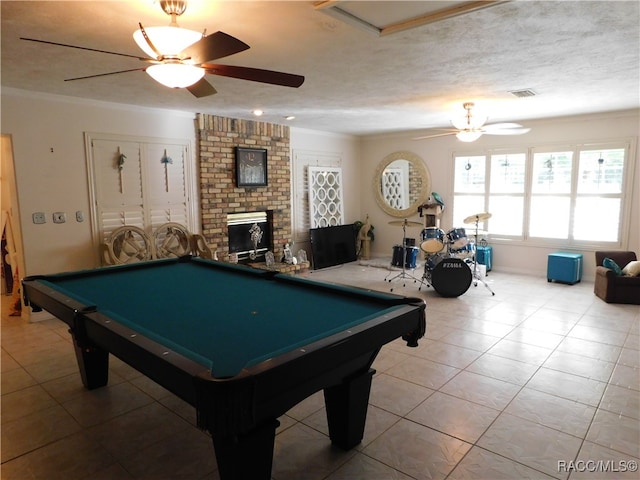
(451, 277)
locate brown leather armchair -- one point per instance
(614, 288)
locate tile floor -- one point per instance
(540, 381)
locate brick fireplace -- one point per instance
(219, 196)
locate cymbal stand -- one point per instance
(476, 275)
(403, 274)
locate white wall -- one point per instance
(437, 154)
(57, 181)
(349, 149)
(51, 170)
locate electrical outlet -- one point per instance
(39, 217)
(59, 217)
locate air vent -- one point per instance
(523, 93)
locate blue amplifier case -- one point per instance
(484, 255)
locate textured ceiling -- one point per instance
(579, 57)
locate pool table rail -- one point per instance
(241, 411)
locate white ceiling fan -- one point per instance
(469, 128)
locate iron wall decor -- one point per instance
(251, 167)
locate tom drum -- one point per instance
(457, 238)
(410, 257)
(432, 240)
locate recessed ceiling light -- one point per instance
(258, 113)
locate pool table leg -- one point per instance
(247, 456)
(93, 363)
(347, 405)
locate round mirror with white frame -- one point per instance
(401, 184)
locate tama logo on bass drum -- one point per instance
(452, 265)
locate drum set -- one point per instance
(450, 262)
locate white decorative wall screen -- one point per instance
(302, 160)
(326, 206)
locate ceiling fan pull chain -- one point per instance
(468, 106)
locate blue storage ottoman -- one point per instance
(564, 267)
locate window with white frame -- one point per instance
(600, 188)
(469, 187)
(551, 193)
(507, 193)
(572, 194)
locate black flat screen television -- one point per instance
(333, 245)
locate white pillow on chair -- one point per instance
(632, 269)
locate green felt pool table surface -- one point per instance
(241, 345)
(224, 317)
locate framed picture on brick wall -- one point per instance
(251, 167)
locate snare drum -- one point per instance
(432, 240)
(465, 252)
(457, 238)
(432, 260)
(410, 257)
(451, 277)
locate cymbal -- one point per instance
(404, 223)
(478, 217)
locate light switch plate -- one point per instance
(59, 217)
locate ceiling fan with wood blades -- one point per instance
(180, 58)
(469, 128)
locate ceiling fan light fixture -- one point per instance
(173, 7)
(175, 75)
(169, 40)
(468, 121)
(468, 135)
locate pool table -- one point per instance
(241, 345)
